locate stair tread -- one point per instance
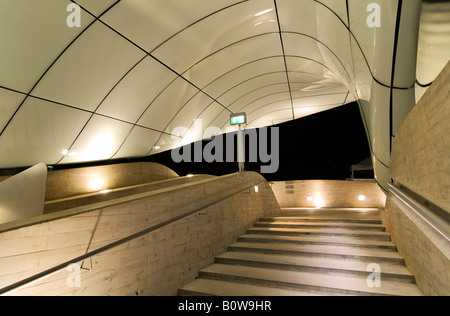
(318, 231)
(311, 280)
(321, 225)
(337, 219)
(318, 250)
(335, 241)
(203, 286)
(336, 265)
(347, 213)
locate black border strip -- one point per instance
(394, 64)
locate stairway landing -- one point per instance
(303, 252)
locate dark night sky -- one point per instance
(321, 146)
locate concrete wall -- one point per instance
(71, 182)
(421, 153)
(156, 264)
(325, 193)
(86, 199)
(421, 163)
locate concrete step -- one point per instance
(321, 232)
(389, 271)
(319, 240)
(324, 282)
(337, 213)
(309, 252)
(210, 287)
(321, 224)
(319, 219)
(372, 255)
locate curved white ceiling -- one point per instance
(135, 70)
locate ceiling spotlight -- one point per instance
(263, 12)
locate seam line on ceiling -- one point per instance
(52, 64)
(359, 46)
(150, 55)
(284, 57)
(80, 109)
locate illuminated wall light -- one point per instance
(362, 198)
(157, 147)
(189, 176)
(64, 152)
(105, 191)
(310, 198)
(256, 189)
(320, 203)
(96, 183)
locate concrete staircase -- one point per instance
(304, 252)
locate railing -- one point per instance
(435, 217)
(16, 286)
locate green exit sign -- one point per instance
(239, 118)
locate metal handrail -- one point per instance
(433, 219)
(37, 277)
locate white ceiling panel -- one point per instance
(151, 23)
(338, 7)
(32, 36)
(244, 72)
(378, 56)
(100, 140)
(137, 90)
(310, 110)
(272, 117)
(146, 67)
(217, 32)
(259, 95)
(40, 131)
(138, 143)
(96, 7)
(189, 112)
(89, 70)
(165, 142)
(168, 104)
(241, 53)
(9, 103)
(248, 86)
